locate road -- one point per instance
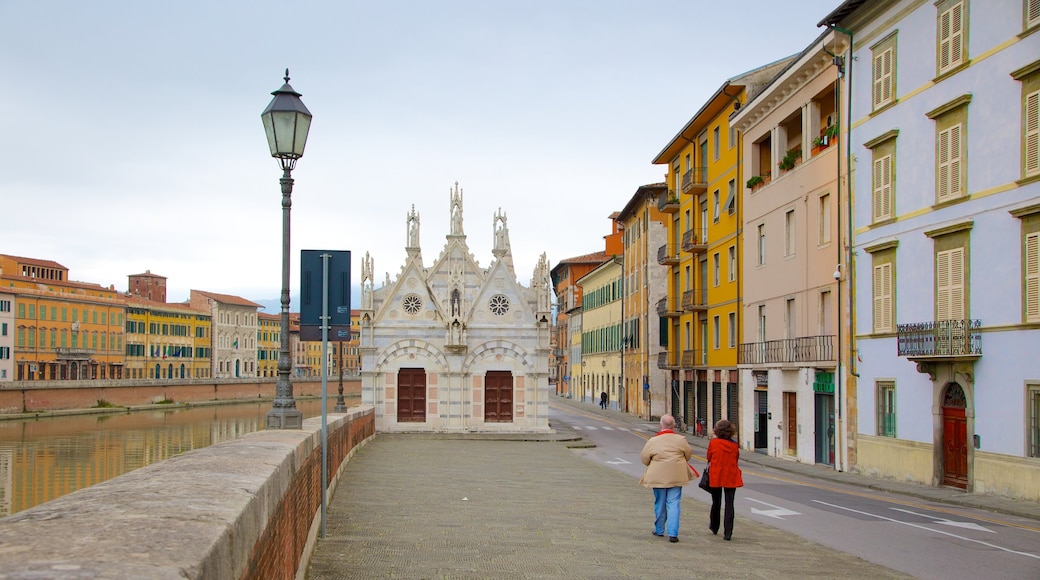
(920, 538)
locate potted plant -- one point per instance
(819, 144)
(790, 160)
(831, 132)
(755, 181)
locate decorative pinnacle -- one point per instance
(286, 76)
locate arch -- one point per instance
(418, 347)
(505, 348)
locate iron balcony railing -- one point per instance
(694, 358)
(940, 338)
(804, 349)
(695, 300)
(667, 360)
(668, 203)
(667, 307)
(695, 178)
(75, 353)
(694, 240)
(667, 256)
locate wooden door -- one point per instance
(955, 438)
(498, 397)
(791, 422)
(411, 396)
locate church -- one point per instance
(456, 348)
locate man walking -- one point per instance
(666, 457)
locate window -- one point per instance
(761, 244)
(1033, 408)
(789, 319)
(823, 234)
(883, 297)
(886, 408)
(715, 269)
(951, 126)
(1032, 276)
(5, 305)
(826, 314)
(717, 144)
(949, 278)
(882, 186)
(3, 329)
(952, 35)
(716, 342)
(789, 233)
(884, 77)
(761, 323)
(1031, 137)
(732, 330)
(5, 353)
(1032, 13)
(715, 204)
(732, 263)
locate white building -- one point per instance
(235, 322)
(7, 329)
(946, 221)
(455, 347)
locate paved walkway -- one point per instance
(429, 506)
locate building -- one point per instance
(64, 330)
(788, 359)
(7, 326)
(703, 252)
(234, 326)
(567, 329)
(166, 341)
(453, 347)
(645, 282)
(601, 333)
(269, 343)
(944, 154)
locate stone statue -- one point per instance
(367, 281)
(456, 211)
(501, 231)
(413, 228)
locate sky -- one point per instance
(133, 142)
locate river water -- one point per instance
(42, 459)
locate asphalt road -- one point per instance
(920, 538)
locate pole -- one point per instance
(283, 413)
(341, 405)
(325, 257)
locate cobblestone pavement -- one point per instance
(428, 506)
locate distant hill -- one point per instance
(274, 305)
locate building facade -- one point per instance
(946, 165)
(565, 275)
(454, 347)
(268, 342)
(166, 341)
(602, 333)
(7, 301)
(234, 325)
(788, 359)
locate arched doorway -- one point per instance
(955, 437)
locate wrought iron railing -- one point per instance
(940, 338)
(694, 358)
(803, 349)
(666, 254)
(694, 240)
(694, 176)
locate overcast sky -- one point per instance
(132, 140)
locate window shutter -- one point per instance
(1032, 13)
(955, 160)
(949, 170)
(1032, 267)
(883, 188)
(951, 37)
(950, 282)
(883, 77)
(883, 298)
(1032, 128)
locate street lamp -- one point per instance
(286, 122)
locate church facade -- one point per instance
(454, 347)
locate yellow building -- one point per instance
(269, 342)
(601, 336)
(166, 341)
(63, 330)
(704, 253)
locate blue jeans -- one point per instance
(666, 510)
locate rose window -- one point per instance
(499, 305)
(412, 304)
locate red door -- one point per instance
(791, 411)
(955, 438)
(498, 397)
(411, 396)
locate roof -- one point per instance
(132, 300)
(34, 261)
(147, 274)
(841, 12)
(228, 299)
(651, 189)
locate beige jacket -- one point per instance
(666, 457)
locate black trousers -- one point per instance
(716, 505)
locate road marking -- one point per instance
(945, 522)
(777, 511)
(606, 428)
(618, 461)
(929, 529)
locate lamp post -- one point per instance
(286, 122)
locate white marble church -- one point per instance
(456, 347)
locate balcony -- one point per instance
(668, 203)
(74, 353)
(805, 349)
(695, 180)
(695, 241)
(695, 300)
(694, 358)
(942, 340)
(667, 360)
(667, 256)
(667, 307)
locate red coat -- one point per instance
(722, 458)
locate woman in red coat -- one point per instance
(723, 476)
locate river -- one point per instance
(45, 458)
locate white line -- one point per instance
(929, 529)
(606, 428)
(590, 428)
(577, 427)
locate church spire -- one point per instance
(456, 211)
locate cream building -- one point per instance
(454, 347)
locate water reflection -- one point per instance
(42, 459)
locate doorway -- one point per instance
(411, 396)
(955, 437)
(791, 422)
(498, 397)
(761, 420)
(824, 429)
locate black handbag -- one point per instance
(703, 484)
